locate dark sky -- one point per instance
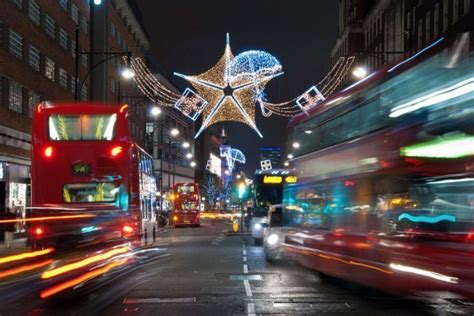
(188, 36)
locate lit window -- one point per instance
(84, 24)
(16, 97)
(49, 68)
(84, 60)
(49, 26)
(34, 58)
(33, 100)
(73, 49)
(75, 13)
(16, 44)
(34, 12)
(63, 78)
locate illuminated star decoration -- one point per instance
(232, 87)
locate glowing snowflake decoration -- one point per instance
(231, 88)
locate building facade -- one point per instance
(39, 45)
(383, 31)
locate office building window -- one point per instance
(62, 78)
(16, 44)
(49, 26)
(33, 100)
(455, 10)
(445, 14)
(84, 60)
(49, 68)
(84, 93)
(63, 38)
(436, 21)
(420, 34)
(467, 6)
(63, 4)
(75, 13)
(15, 102)
(84, 24)
(18, 3)
(34, 57)
(34, 12)
(113, 85)
(73, 49)
(428, 27)
(73, 85)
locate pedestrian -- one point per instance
(9, 227)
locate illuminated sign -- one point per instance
(215, 165)
(272, 179)
(81, 169)
(291, 179)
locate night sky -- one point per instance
(188, 36)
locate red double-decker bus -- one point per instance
(90, 180)
(186, 205)
(385, 192)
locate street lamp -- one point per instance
(286, 164)
(359, 72)
(238, 176)
(296, 145)
(186, 145)
(174, 132)
(193, 164)
(128, 73)
(290, 156)
(189, 155)
(155, 111)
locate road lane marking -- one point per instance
(157, 300)
(246, 268)
(245, 259)
(248, 290)
(251, 309)
(244, 252)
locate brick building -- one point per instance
(37, 63)
(383, 31)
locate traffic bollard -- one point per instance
(154, 234)
(146, 237)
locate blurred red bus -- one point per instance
(385, 194)
(85, 163)
(186, 205)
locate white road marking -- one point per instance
(248, 290)
(246, 268)
(251, 309)
(157, 300)
(244, 252)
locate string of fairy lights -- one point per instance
(230, 89)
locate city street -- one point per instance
(209, 271)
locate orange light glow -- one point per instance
(85, 277)
(39, 231)
(175, 218)
(116, 151)
(127, 229)
(24, 268)
(123, 108)
(39, 108)
(26, 255)
(48, 151)
(47, 218)
(80, 264)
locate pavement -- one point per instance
(207, 271)
(18, 245)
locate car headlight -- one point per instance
(257, 226)
(272, 239)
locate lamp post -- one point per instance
(241, 190)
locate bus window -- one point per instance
(82, 127)
(90, 192)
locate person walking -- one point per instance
(9, 227)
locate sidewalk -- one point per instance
(17, 246)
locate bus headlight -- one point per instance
(257, 226)
(272, 239)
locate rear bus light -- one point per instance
(38, 232)
(127, 230)
(48, 152)
(116, 151)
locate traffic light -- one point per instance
(242, 188)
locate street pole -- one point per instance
(241, 216)
(161, 167)
(119, 91)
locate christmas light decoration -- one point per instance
(231, 89)
(232, 155)
(309, 99)
(190, 104)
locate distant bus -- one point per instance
(85, 163)
(268, 187)
(186, 205)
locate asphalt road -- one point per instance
(207, 271)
